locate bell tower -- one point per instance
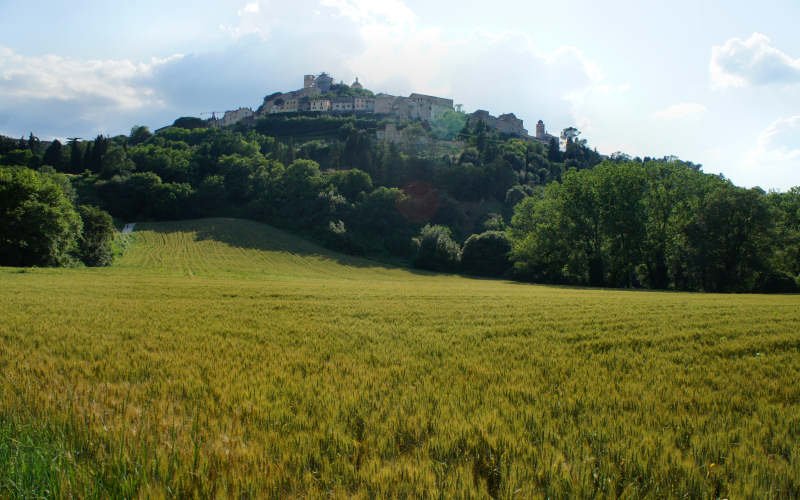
(540, 133)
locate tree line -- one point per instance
(501, 206)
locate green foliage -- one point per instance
(190, 123)
(54, 156)
(145, 196)
(486, 254)
(344, 90)
(76, 150)
(786, 212)
(310, 127)
(139, 134)
(38, 224)
(351, 183)
(116, 163)
(17, 157)
(380, 222)
(449, 124)
(436, 250)
(661, 225)
(516, 194)
(170, 163)
(96, 237)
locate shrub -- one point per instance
(98, 233)
(436, 250)
(776, 282)
(486, 254)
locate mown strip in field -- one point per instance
(224, 358)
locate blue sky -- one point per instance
(717, 83)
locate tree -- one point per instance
(38, 224)
(540, 248)
(94, 161)
(381, 223)
(580, 208)
(97, 235)
(729, 238)
(486, 254)
(786, 210)
(190, 123)
(553, 153)
(436, 250)
(54, 156)
(34, 144)
(75, 156)
(620, 192)
(587, 230)
(139, 134)
(448, 124)
(515, 195)
(351, 183)
(87, 157)
(116, 162)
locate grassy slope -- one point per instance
(226, 357)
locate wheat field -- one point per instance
(223, 358)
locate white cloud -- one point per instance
(681, 110)
(775, 160)
(119, 82)
(61, 96)
(389, 12)
(250, 8)
(740, 63)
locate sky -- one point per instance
(713, 82)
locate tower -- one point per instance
(356, 85)
(308, 81)
(540, 133)
(323, 82)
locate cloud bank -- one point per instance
(57, 93)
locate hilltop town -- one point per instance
(321, 95)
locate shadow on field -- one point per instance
(251, 235)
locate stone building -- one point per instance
(364, 104)
(384, 103)
(342, 104)
(414, 107)
(285, 104)
(320, 105)
(428, 107)
(505, 124)
(231, 117)
(323, 82)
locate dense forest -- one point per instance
(495, 206)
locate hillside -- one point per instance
(238, 248)
(225, 358)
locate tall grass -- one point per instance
(225, 358)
